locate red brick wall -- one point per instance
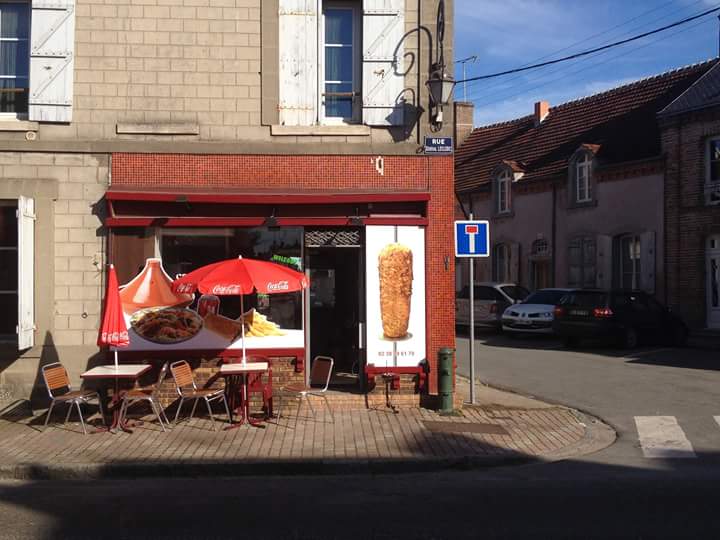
(688, 221)
(327, 173)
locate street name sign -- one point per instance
(472, 238)
(438, 145)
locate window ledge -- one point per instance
(503, 215)
(157, 129)
(18, 125)
(586, 204)
(326, 131)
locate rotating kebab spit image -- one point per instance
(396, 276)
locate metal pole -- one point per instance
(472, 326)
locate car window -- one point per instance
(585, 299)
(545, 297)
(621, 301)
(516, 292)
(655, 306)
(486, 293)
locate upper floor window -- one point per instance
(712, 182)
(582, 179)
(14, 58)
(503, 183)
(340, 68)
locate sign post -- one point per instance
(472, 239)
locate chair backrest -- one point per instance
(161, 378)
(55, 377)
(321, 371)
(182, 374)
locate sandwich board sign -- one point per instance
(472, 238)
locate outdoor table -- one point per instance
(122, 371)
(239, 373)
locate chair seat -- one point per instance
(296, 387)
(76, 394)
(139, 393)
(201, 392)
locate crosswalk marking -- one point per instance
(662, 437)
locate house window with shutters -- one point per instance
(582, 262)
(14, 59)
(17, 252)
(627, 262)
(340, 65)
(341, 61)
(501, 263)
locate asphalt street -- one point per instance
(614, 384)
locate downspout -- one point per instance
(419, 63)
(554, 231)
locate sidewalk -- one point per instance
(506, 429)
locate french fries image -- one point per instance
(258, 325)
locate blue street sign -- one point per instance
(472, 239)
(438, 145)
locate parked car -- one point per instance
(534, 315)
(629, 317)
(491, 299)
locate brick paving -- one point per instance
(363, 435)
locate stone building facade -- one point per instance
(190, 84)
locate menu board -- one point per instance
(158, 319)
(395, 278)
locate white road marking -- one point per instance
(662, 437)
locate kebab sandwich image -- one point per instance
(396, 276)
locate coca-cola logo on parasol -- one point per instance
(226, 289)
(185, 288)
(278, 286)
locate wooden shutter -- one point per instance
(298, 27)
(383, 70)
(647, 262)
(26, 281)
(52, 52)
(604, 261)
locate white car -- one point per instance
(535, 314)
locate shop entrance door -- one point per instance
(336, 309)
(713, 282)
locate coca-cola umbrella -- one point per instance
(238, 277)
(113, 330)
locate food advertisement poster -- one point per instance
(160, 319)
(395, 270)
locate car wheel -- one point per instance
(680, 336)
(630, 338)
(569, 342)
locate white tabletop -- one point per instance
(130, 371)
(239, 368)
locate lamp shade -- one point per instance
(441, 86)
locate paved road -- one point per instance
(618, 386)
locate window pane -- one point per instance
(8, 227)
(14, 20)
(12, 99)
(339, 26)
(8, 315)
(14, 58)
(715, 171)
(338, 64)
(338, 107)
(8, 270)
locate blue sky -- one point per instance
(509, 33)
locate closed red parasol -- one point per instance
(241, 276)
(113, 330)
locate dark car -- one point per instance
(629, 317)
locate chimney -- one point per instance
(542, 109)
(464, 112)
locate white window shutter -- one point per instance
(647, 262)
(298, 27)
(383, 62)
(603, 265)
(26, 273)
(52, 53)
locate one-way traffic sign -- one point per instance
(472, 239)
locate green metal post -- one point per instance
(445, 379)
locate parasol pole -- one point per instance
(116, 359)
(242, 324)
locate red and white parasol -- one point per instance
(113, 330)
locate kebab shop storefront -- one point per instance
(367, 256)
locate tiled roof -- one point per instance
(704, 93)
(621, 125)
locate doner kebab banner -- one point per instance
(395, 270)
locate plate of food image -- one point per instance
(166, 325)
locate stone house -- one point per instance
(574, 193)
(691, 144)
(191, 130)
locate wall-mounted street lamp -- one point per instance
(440, 84)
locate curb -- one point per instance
(98, 471)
